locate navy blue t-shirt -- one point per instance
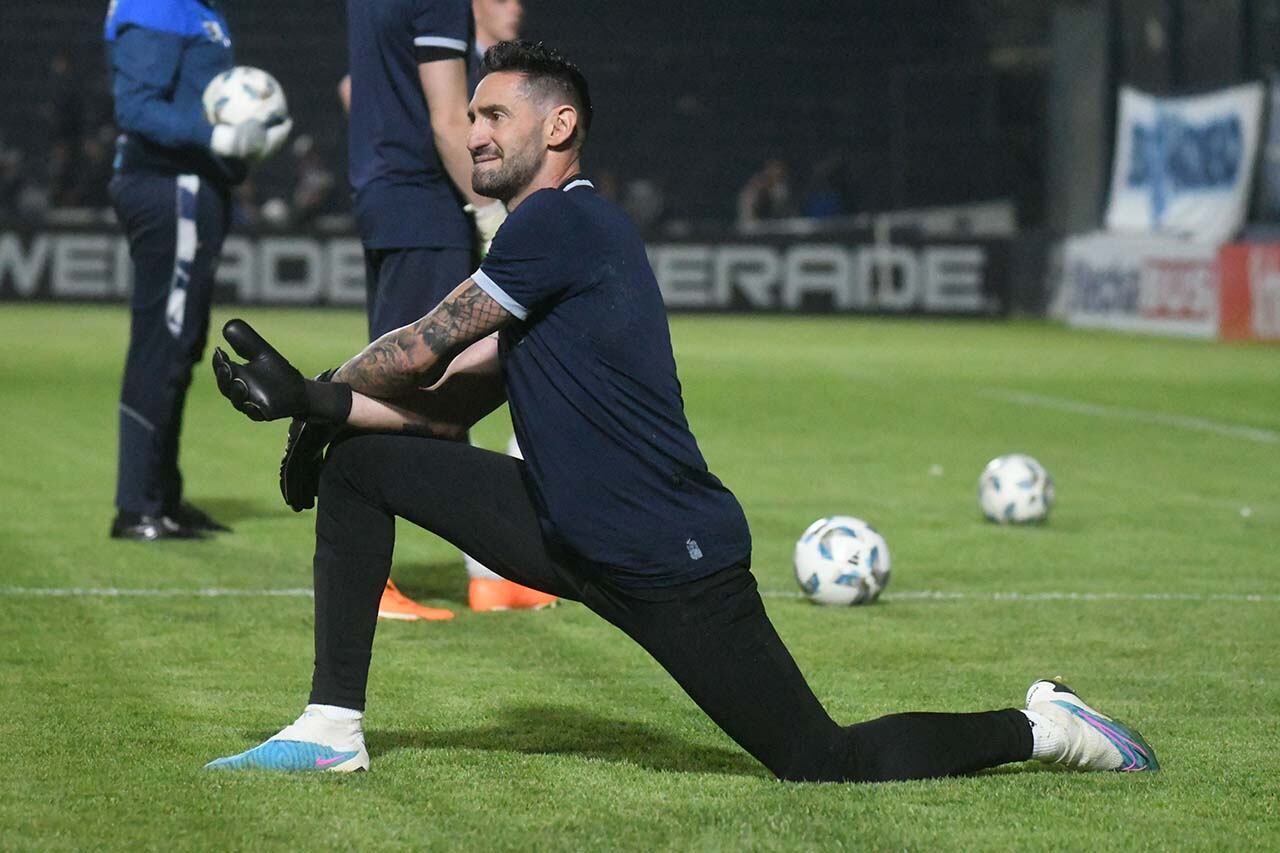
(616, 475)
(403, 196)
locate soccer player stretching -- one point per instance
(614, 505)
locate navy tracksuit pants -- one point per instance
(175, 225)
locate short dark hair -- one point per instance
(547, 71)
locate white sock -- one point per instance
(477, 569)
(336, 713)
(1047, 739)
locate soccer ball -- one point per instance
(244, 93)
(1015, 489)
(841, 560)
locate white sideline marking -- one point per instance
(114, 592)
(908, 595)
(944, 595)
(1265, 436)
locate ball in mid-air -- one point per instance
(841, 560)
(243, 93)
(1015, 489)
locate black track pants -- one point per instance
(712, 635)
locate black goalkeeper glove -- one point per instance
(304, 453)
(267, 387)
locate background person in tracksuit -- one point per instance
(171, 192)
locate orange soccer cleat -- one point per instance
(487, 595)
(396, 605)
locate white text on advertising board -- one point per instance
(309, 270)
(938, 278)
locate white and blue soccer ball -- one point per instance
(1015, 489)
(243, 93)
(841, 560)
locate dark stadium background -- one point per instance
(902, 104)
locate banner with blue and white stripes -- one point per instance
(1184, 166)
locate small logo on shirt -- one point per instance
(695, 553)
(213, 30)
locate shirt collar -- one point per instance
(574, 181)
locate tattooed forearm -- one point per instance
(415, 356)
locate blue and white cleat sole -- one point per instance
(1094, 731)
(294, 756)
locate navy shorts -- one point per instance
(403, 285)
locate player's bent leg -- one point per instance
(355, 537)
(473, 498)
(1071, 733)
(322, 739)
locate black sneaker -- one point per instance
(197, 519)
(148, 528)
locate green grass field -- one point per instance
(1155, 589)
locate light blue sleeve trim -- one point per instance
(499, 295)
(441, 41)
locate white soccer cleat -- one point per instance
(313, 742)
(1087, 738)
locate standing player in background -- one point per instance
(420, 221)
(173, 176)
(496, 20)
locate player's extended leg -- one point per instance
(715, 639)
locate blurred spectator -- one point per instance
(11, 180)
(645, 203)
(93, 171)
(824, 198)
(244, 205)
(766, 195)
(64, 115)
(313, 182)
(65, 109)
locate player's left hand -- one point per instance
(267, 386)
